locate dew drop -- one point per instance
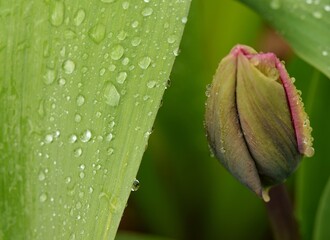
(122, 35)
(151, 84)
(112, 67)
(111, 95)
(72, 138)
(136, 41)
(82, 175)
(98, 114)
(125, 61)
(144, 62)
(112, 124)
(176, 52)
(49, 77)
(222, 150)
(49, 138)
(82, 167)
(43, 197)
(325, 53)
(86, 136)
(102, 71)
(73, 236)
(57, 13)
(41, 176)
(77, 152)
(125, 5)
(309, 151)
(77, 118)
(67, 180)
(109, 137)
(62, 52)
(41, 108)
(184, 20)
(121, 77)
(135, 185)
(110, 151)
(147, 134)
(61, 82)
(327, 8)
(146, 97)
(80, 100)
(68, 66)
(171, 39)
(97, 33)
(117, 52)
(135, 24)
(79, 17)
(147, 11)
(90, 190)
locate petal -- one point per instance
(299, 117)
(265, 118)
(223, 129)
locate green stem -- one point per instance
(280, 212)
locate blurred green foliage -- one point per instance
(185, 193)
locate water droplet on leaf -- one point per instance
(79, 17)
(135, 24)
(125, 5)
(68, 66)
(111, 95)
(136, 41)
(73, 138)
(57, 13)
(49, 138)
(80, 100)
(49, 77)
(121, 77)
(151, 84)
(97, 33)
(145, 62)
(117, 52)
(135, 185)
(86, 136)
(43, 197)
(41, 176)
(147, 11)
(184, 20)
(77, 152)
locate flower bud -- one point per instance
(255, 120)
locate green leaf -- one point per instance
(80, 85)
(321, 230)
(304, 24)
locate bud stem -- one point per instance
(280, 212)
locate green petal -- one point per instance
(223, 129)
(265, 118)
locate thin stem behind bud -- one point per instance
(280, 212)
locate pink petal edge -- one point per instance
(298, 115)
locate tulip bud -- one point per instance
(255, 120)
